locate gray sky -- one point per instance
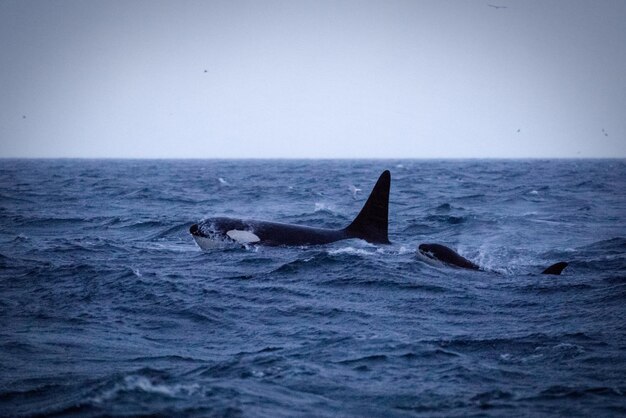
(344, 79)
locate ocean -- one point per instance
(109, 308)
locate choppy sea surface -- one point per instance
(108, 307)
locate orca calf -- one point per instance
(448, 256)
(369, 225)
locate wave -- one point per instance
(447, 219)
(102, 222)
(7, 198)
(556, 287)
(365, 360)
(418, 228)
(615, 245)
(130, 395)
(143, 192)
(324, 207)
(47, 221)
(616, 280)
(527, 342)
(171, 230)
(486, 399)
(600, 263)
(193, 314)
(140, 384)
(577, 392)
(356, 251)
(471, 197)
(148, 224)
(308, 262)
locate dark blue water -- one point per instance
(107, 306)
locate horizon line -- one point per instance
(311, 158)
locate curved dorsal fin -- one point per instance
(371, 223)
(555, 268)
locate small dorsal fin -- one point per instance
(555, 269)
(371, 224)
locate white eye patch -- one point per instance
(242, 237)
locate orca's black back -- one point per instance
(274, 233)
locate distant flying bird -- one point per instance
(519, 130)
(205, 71)
(23, 116)
(496, 7)
(354, 190)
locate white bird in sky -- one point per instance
(354, 190)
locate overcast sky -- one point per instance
(313, 79)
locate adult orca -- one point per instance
(369, 225)
(448, 256)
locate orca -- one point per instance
(448, 256)
(371, 225)
(555, 269)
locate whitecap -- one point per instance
(351, 251)
(323, 207)
(405, 250)
(506, 357)
(136, 383)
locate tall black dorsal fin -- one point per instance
(372, 222)
(555, 268)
